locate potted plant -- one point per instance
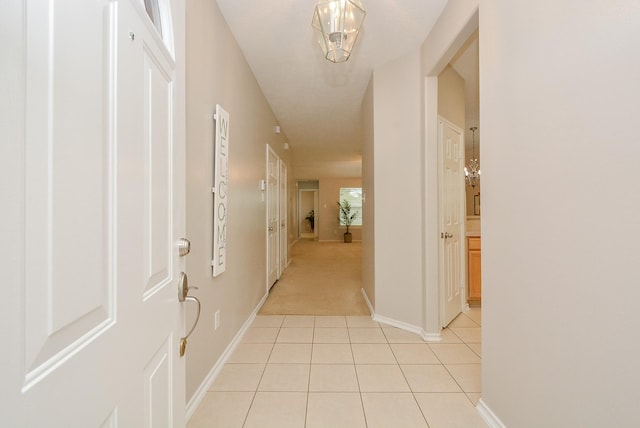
(346, 217)
(312, 219)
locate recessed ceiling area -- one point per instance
(318, 103)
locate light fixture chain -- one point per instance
(472, 172)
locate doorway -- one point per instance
(276, 217)
(308, 213)
(308, 226)
(273, 229)
(434, 64)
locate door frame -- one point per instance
(315, 210)
(283, 218)
(433, 65)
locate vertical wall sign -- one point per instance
(220, 190)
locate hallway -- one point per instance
(324, 278)
(323, 371)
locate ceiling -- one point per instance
(316, 102)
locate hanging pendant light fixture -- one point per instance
(472, 172)
(337, 24)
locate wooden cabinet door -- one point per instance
(474, 270)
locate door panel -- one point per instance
(158, 115)
(157, 376)
(63, 317)
(452, 220)
(95, 342)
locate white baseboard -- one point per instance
(399, 324)
(368, 302)
(431, 337)
(200, 393)
(488, 416)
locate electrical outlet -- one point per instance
(216, 320)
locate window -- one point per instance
(354, 196)
(153, 10)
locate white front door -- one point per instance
(272, 217)
(93, 333)
(451, 144)
(284, 245)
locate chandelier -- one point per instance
(337, 24)
(472, 172)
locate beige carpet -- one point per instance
(324, 278)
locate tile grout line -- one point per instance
(465, 342)
(306, 407)
(451, 374)
(413, 394)
(364, 413)
(255, 393)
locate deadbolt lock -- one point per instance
(184, 246)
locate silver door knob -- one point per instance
(448, 235)
(270, 228)
(183, 287)
(184, 246)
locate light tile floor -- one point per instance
(335, 371)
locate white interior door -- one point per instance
(284, 244)
(95, 332)
(452, 195)
(272, 217)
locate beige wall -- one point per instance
(368, 196)
(398, 199)
(451, 106)
(451, 96)
(559, 96)
(218, 73)
(329, 223)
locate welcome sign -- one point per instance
(220, 190)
